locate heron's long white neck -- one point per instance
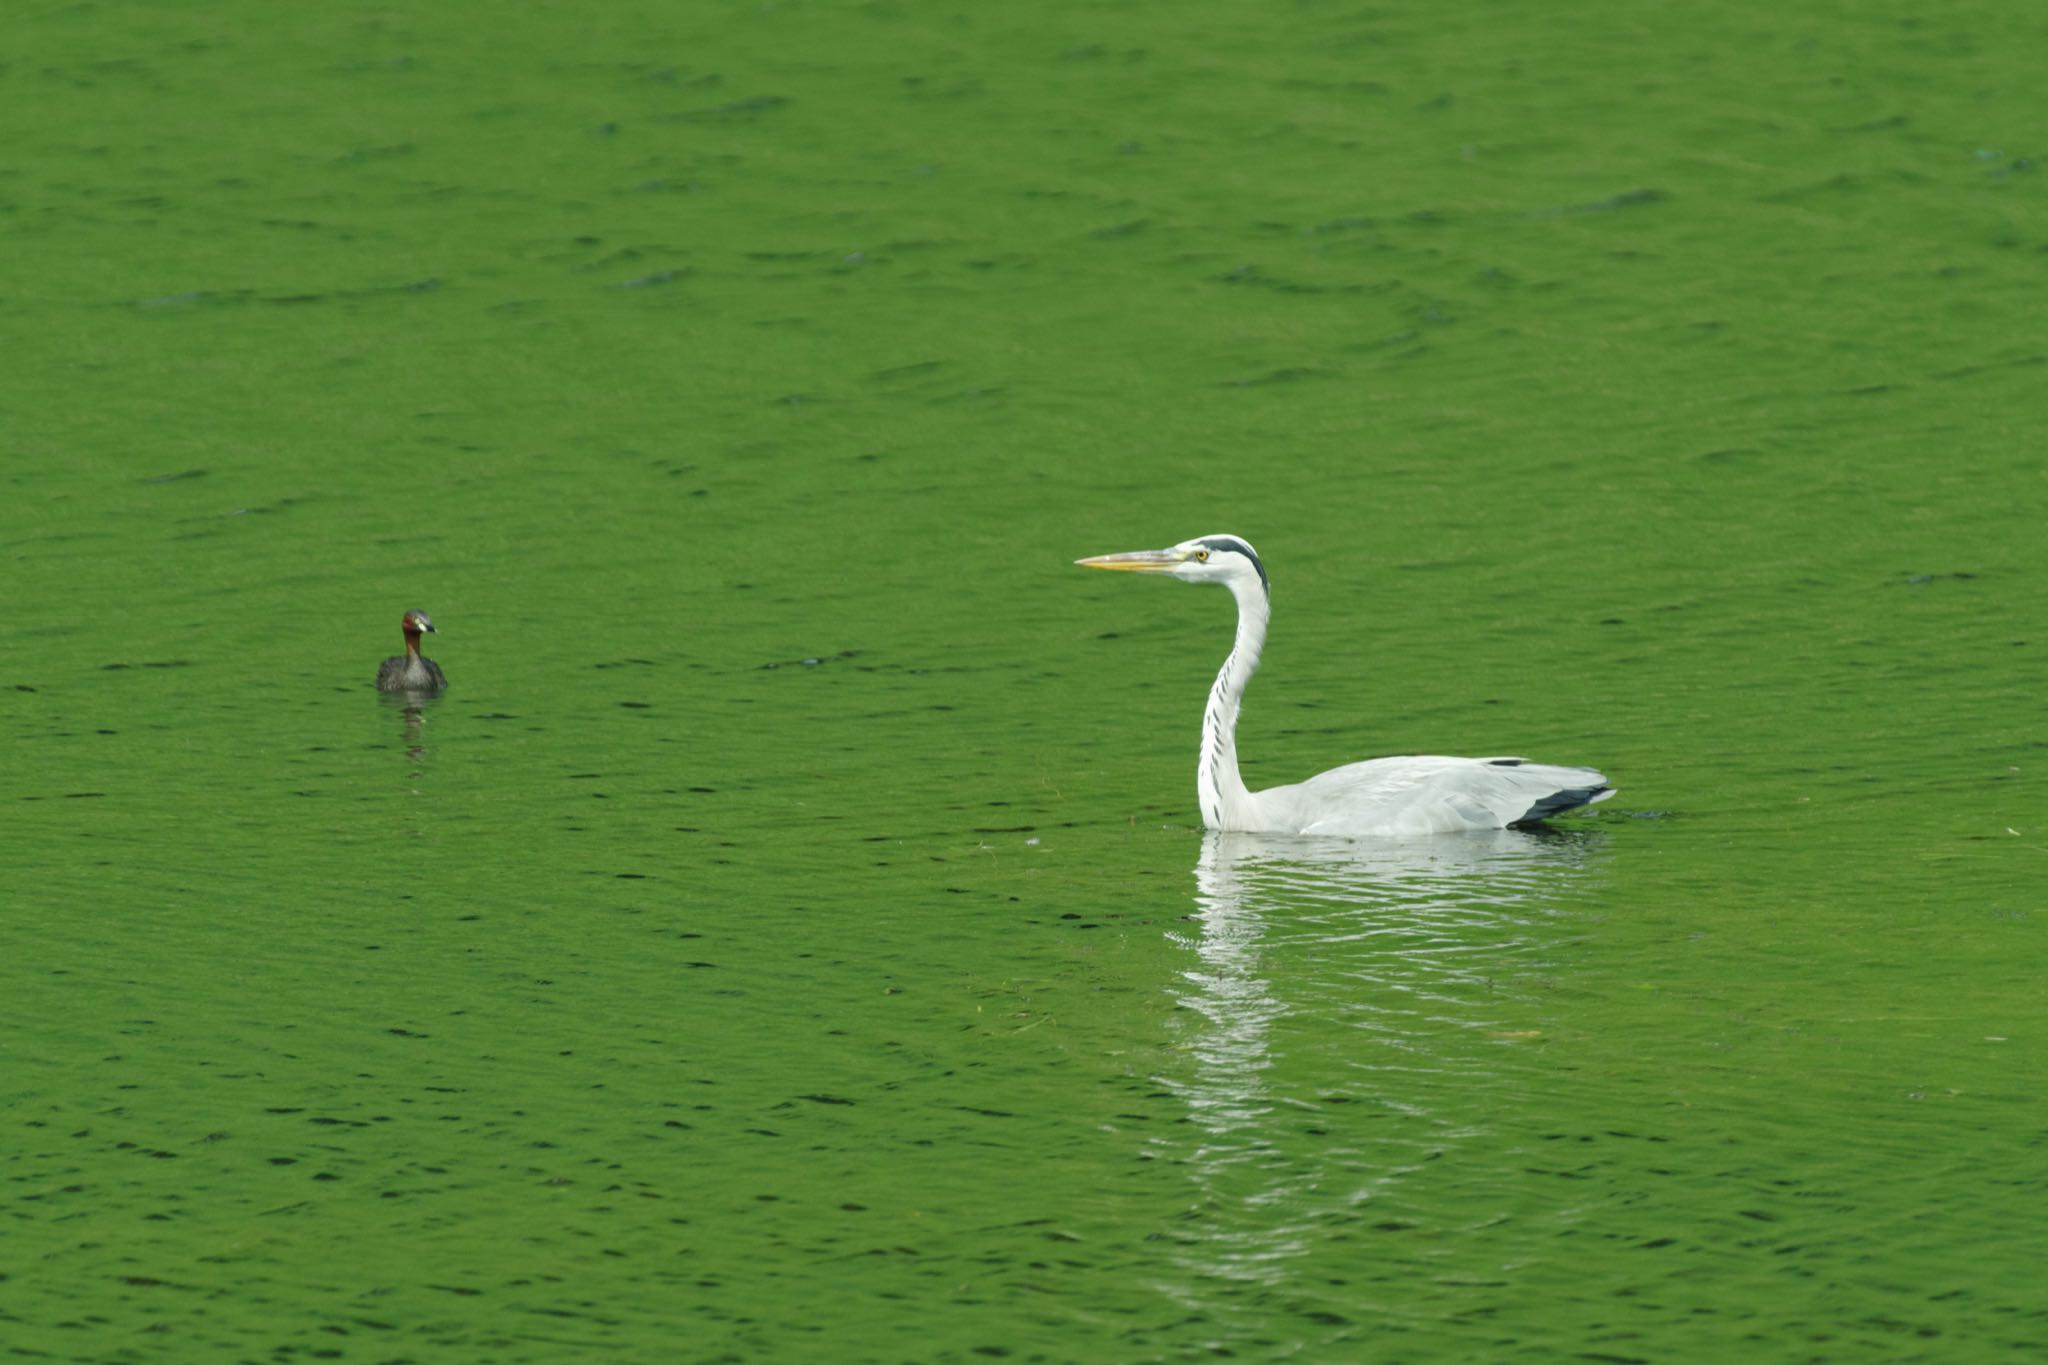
(1226, 804)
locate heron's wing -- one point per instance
(1428, 794)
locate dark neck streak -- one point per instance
(1219, 787)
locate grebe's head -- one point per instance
(1206, 559)
(417, 621)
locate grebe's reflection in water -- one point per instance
(1353, 1009)
(412, 709)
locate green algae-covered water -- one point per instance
(790, 938)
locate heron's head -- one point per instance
(417, 621)
(1206, 559)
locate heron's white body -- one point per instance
(1409, 795)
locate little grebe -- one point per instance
(412, 671)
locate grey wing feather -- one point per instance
(1429, 794)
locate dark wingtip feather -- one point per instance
(1557, 803)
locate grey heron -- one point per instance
(412, 671)
(1411, 794)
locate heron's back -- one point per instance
(1425, 794)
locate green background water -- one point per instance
(789, 938)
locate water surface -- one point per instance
(788, 937)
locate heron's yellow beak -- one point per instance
(1137, 561)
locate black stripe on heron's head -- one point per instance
(1236, 546)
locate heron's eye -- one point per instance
(1201, 556)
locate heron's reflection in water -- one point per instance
(1355, 1002)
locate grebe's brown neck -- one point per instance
(414, 624)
